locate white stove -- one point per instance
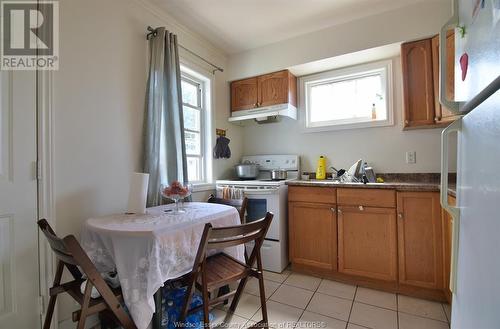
(266, 195)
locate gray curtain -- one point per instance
(164, 149)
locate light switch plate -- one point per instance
(411, 157)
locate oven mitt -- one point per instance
(221, 149)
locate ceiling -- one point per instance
(238, 25)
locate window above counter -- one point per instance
(355, 97)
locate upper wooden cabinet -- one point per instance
(420, 245)
(418, 85)
(367, 242)
(444, 115)
(265, 90)
(420, 63)
(244, 94)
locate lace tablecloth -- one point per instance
(147, 250)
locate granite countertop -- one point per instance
(398, 182)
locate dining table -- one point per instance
(147, 250)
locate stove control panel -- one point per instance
(271, 162)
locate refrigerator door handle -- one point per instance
(453, 211)
(452, 23)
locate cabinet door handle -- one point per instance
(400, 215)
(361, 208)
(333, 210)
(339, 211)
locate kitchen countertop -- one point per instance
(397, 185)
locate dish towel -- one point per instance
(229, 193)
(221, 149)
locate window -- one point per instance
(195, 102)
(348, 98)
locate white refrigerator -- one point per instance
(475, 272)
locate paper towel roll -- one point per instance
(138, 193)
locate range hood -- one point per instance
(266, 114)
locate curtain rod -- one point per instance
(152, 33)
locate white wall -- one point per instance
(383, 147)
(99, 95)
(406, 23)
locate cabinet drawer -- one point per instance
(312, 194)
(367, 197)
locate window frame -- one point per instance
(343, 74)
(200, 108)
(204, 83)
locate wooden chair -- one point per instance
(71, 256)
(211, 273)
(239, 204)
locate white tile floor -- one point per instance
(319, 303)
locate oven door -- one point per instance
(260, 201)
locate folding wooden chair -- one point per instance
(239, 204)
(213, 272)
(71, 256)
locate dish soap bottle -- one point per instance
(321, 169)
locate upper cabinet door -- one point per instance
(418, 83)
(444, 115)
(273, 88)
(244, 94)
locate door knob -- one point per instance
(400, 215)
(361, 208)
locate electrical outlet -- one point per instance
(411, 157)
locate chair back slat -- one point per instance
(239, 204)
(56, 243)
(65, 258)
(233, 241)
(231, 231)
(223, 237)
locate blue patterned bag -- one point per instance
(172, 300)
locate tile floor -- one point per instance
(310, 303)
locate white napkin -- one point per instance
(138, 193)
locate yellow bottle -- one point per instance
(321, 169)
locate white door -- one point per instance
(19, 279)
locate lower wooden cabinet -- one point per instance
(420, 245)
(400, 242)
(447, 228)
(313, 235)
(367, 242)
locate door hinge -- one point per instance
(41, 305)
(39, 170)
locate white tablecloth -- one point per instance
(147, 250)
